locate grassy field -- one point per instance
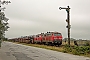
(79, 42)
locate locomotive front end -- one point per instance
(57, 38)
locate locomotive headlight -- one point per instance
(60, 38)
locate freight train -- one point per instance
(48, 38)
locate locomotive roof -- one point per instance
(53, 32)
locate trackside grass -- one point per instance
(45, 46)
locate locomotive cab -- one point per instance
(57, 38)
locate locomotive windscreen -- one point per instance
(57, 34)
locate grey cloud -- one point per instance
(35, 16)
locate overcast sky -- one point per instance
(27, 17)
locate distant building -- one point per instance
(70, 39)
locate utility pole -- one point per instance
(3, 21)
(68, 21)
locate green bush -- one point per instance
(67, 48)
(82, 49)
(77, 50)
(87, 44)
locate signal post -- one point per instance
(68, 21)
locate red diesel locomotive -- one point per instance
(49, 38)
